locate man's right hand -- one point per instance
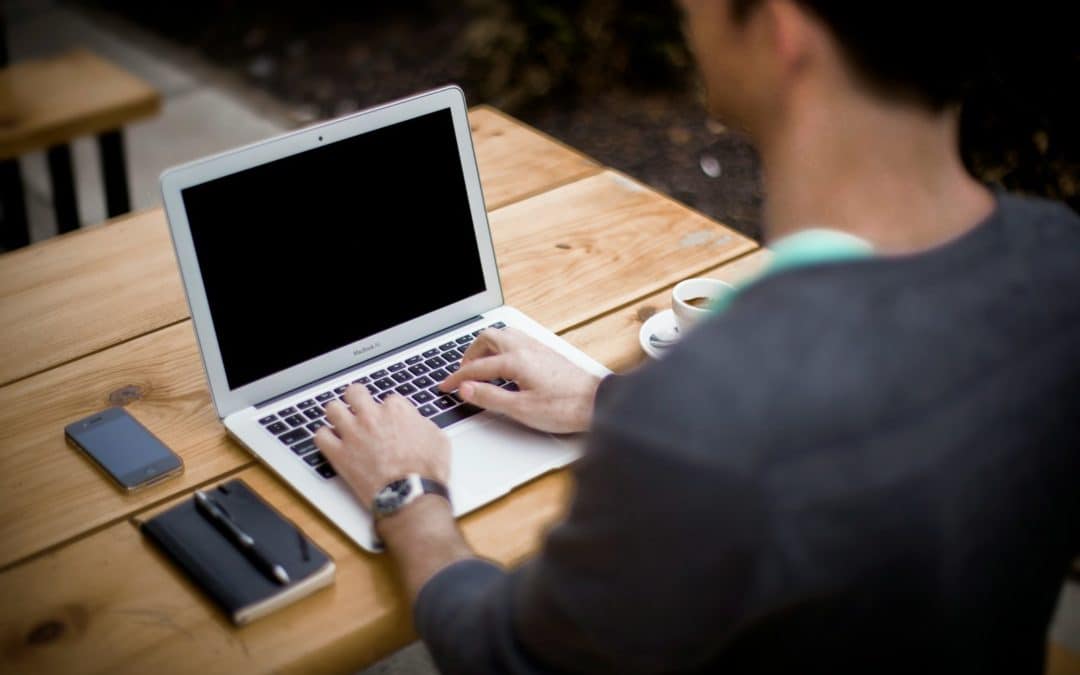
(553, 394)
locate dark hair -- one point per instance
(922, 50)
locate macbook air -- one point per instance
(356, 251)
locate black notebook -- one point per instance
(223, 571)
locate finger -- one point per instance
(490, 397)
(363, 405)
(339, 415)
(489, 341)
(487, 368)
(329, 444)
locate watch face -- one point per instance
(393, 495)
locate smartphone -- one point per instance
(124, 449)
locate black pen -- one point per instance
(242, 540)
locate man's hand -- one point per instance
(376, 444)
(554, 395)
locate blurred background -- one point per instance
(609, 77)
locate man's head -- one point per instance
(755, 54)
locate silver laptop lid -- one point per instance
(308, 253)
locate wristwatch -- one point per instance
(407, 490)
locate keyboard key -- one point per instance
(277, 427)
(511, 386)
(325, 396)
(287, 411)
(476, 333)
(406, 389)
(439, 375)
(453, 367)
(428, 410)
(423, 397)
(314, 459)
(444, 403)
(384, 383)
(295, 420)
(316, 425)
(431, 352)
(304, 447)
(464, 339)
(396, 367)
(267, 420)
(341, 390)
(498, 324)
(413, 360)
(451, 355)
(435, 362)
(459, 413)
(326, 471)
(435, 391)
(402, 376)
(372, 390)
(447, 345)
(378, 374)
(423, 382)
(303, 405)
(294, 436)
(498, 382)
(314, 413)
(383, 396)
(419, 369)
(361, 380)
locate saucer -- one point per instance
(661, 323)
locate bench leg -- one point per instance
(14, 229)
(63, 188)
(114, 169)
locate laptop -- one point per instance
(355, 251)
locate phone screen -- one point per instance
(123, 447)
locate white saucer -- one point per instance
(661, 323)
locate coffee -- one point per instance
(700, 302)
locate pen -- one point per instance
(242, 540)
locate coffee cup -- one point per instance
(692, 300)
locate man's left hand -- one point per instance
(378, 443)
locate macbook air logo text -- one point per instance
(366, 348)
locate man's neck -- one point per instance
(889, 174)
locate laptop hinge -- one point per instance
(361, 364)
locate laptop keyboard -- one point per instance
(416, 378)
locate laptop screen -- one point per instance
(309, 253)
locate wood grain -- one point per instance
(50, 491)
(517, 161)
(50, 101)
(612, 339)
(81, 292)
(575, 252)
(112, 603)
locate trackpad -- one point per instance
(492, 458)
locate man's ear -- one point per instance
(792, 34)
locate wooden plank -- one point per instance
(613, 339)
(51, 492)
(79, 293)
(575, 252)
(51, 101)
(112, 603)
(517, 161)
(1061, 660)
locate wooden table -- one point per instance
(97, 317)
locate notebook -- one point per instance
(222, 571)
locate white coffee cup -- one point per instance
(687, 314)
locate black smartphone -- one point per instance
(124, 449)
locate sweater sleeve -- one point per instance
(647, 572)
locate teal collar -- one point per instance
(815, 246)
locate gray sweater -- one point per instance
(868, 466)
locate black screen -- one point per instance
(124, 447)
(309, 253)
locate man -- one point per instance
(859, 466)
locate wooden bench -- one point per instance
(47, 103)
